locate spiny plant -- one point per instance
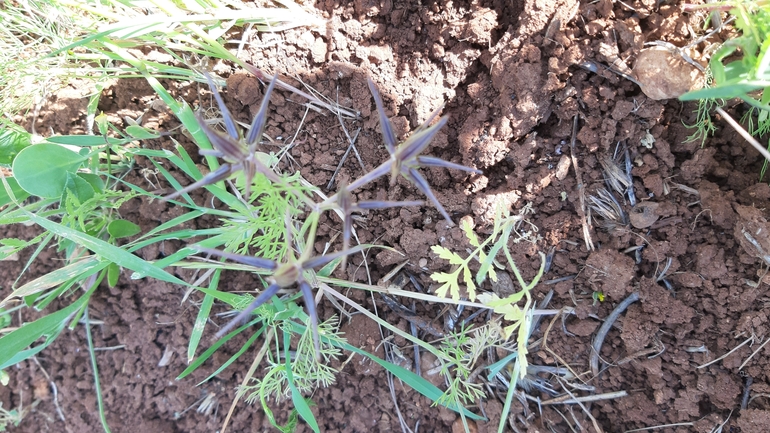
(244, 160)
(405, 158)
(241, 155)
(283, 275)
(79, 207)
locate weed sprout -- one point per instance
(240, 154)
(405, 159)
(283, 275)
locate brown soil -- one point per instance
(512, 87)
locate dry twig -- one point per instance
(581, 188)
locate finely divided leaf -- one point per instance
(450, 284)
(447, 254)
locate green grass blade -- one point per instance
(203, 317)
(50, 326)
(412, 379)
(97, 384)
(509, 397)
(210, 351)
(236, 355)
(42, 304)
(212, 242)
(55, 278)
(87, 140)
(181, 219)
(725, 91)
(40, 247)
(28, 353)
(177, 235)
(300, 404)
(110, 252)
(499, 365)
(16, 194)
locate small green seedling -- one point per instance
(486, 253)
(597, 296)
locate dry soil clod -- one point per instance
(663, 74)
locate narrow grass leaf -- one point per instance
(498, 366)
(416, 382)
(95, 368)
(28, 353)
(236, 355)
(203, 317)
(296, 397)
(54, 278)
(42, 304)
(114, 254)
(724, 92)
(509, 397)
(181, 219)
(212, 242)
(40, 247)
(87, 140)
(177, 235)
(50, 325)
(327, 270)
(488, 260)
(15, 189)
(228, 298)
(210, 351)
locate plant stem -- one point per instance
(739, 129)
(97, 385)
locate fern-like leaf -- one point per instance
(447, 254)
(449, 284)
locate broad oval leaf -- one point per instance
(113, 273)
(42, 169)
(78, 187)
(96, 182)
(122, 229)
